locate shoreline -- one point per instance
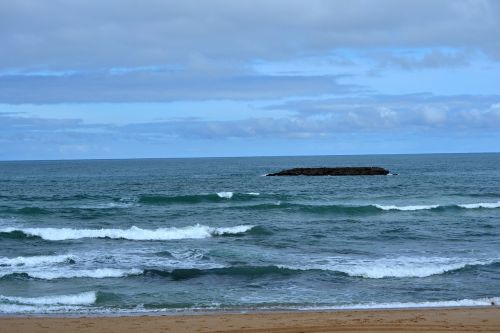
(446, 319)
(234, 311)
(223, 312)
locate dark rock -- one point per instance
(340, 171)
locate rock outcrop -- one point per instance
(338, 171)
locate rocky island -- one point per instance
(337, 171)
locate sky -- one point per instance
(158, 78)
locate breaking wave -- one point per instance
(134, 233)
(362, 209)
(196, 198)
(35, 260)
(85, 298)
(99, 273)
(399, 267)
(397, 305)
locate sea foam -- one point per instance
(226, 195)
(134, 233)
(405, 305)
(34, 260)
(481, 205)
(408, 208)
(85, 298)
(426, 207)
(99, 273)
(399, 267)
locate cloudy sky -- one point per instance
(159, 78)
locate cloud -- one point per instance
(434, 58)
(160, 86)
(356, 124)
(91, 34)
(307, 119)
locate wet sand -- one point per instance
(485, 319)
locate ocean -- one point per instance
(215, 234)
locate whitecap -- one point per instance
(225, 195)
(35, 260)
(406, 208)
(481, 205)
(399, 267)
(134, 233)
(85, 298)
(99, 273)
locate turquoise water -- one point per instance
(215, 234)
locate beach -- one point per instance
(401, 320)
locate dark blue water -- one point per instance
(215, 234)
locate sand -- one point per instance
(409, 320)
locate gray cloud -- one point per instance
(433, 59)
(309, 119)
(353, 121)
(90, 34)
(159, 86)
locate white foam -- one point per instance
(226, 195)
(481, 205)
(134, 233)
(99, 273)
(413, 207)
(85, 298)
(253, 193)
(406, 305)
(231, 230)
(399, 267)
(16, 308)
(109, 205)
(34, 260)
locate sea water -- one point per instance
(170, 235)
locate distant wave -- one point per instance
(195, 198)
(489, 205)
(35, 260)
(481, 205)
(85, 298)
(107, 205)
(414, 207)
(133, 233)
(362, 209)
(98, 273)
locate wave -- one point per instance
(34, 210)
(240, 271)
(487, 301)
(362, 209)
(399, 267)
(406, 208)
(85, 298)
(107, 205)
(35, 260)
(99, 273)
(196, 198)
(134, 233)
(227, 195)
(35, 309)
(481, 205)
